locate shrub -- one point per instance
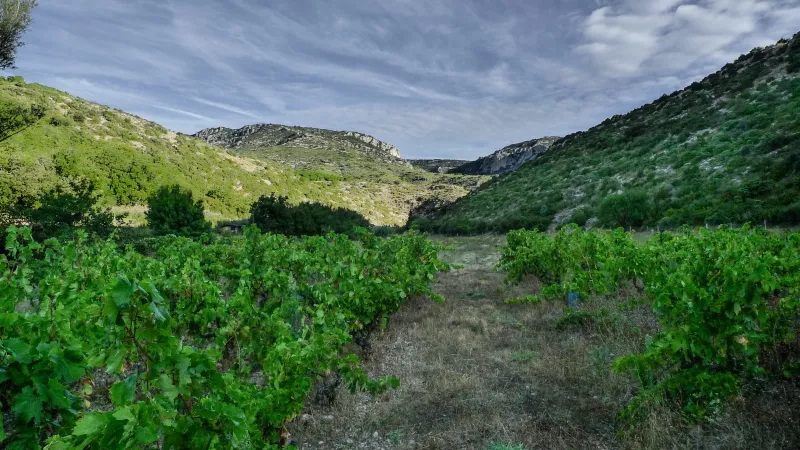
(274, 215)
(64, 209)
(582, 215)
(173, 210)
(630, 209)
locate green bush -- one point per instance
(63, 210)
(272, 214)
(173, 210)
(629, 209)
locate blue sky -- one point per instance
(436, 78)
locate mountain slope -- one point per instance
(271, 135)
(128, 158)
(507, 159)
(348, 162)
(726, 149)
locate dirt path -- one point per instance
(479, 374)
(469, 370)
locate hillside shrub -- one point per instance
(629, 209)
(62, 211)
(273, 214)
(173, 210)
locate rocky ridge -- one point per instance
(507, 159)
(272, 135)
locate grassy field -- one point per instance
(477, 373)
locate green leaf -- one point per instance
(56, 393)
(90, 424)
(124, 415)
(2, 432)
(159, 313)
(115, 360)
(19, 350)
(67, 369)
(122, 292)
(27, 406)
(146, 435)
(168, 388)
(123, 392)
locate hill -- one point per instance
(507, 159)
(128, 158)
(726, 149)
(347, 161)
(271, 135)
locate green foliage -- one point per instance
(594, 262)
(728, 303)
(724, 150)
(15, 118)
(274, 215)
(528, 300)
(173, 210)
(62, 210)
(629, 209)
(15, 17)
(206, 345)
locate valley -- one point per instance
(284, 287)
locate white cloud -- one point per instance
(637, 38)
(229, 108)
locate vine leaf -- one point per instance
(27, 406)
(123, 392)
(19, 350)
(90, 424)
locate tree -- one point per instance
(274, 215)
(15, 16)
(16, 118)
(173, 210)
(629, 209)
(61, 210)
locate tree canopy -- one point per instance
(15, 16)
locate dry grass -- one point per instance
(477, 373)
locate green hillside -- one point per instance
(128, 158)
(724, 150)
(347, 163)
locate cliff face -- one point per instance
(269, 135)
(507, 159)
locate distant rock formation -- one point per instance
(507, 159)
(270, 135)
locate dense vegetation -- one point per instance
(274, 215)
(390, 187)
(724, 150)
(49, 138)
(188, 345)
(727, 301)
(173, 210)
(15, 17)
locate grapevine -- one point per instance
(727, 301)
(208, 346)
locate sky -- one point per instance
(436, 78)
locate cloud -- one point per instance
(457, 78)
(228, 108)
(637, 38)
